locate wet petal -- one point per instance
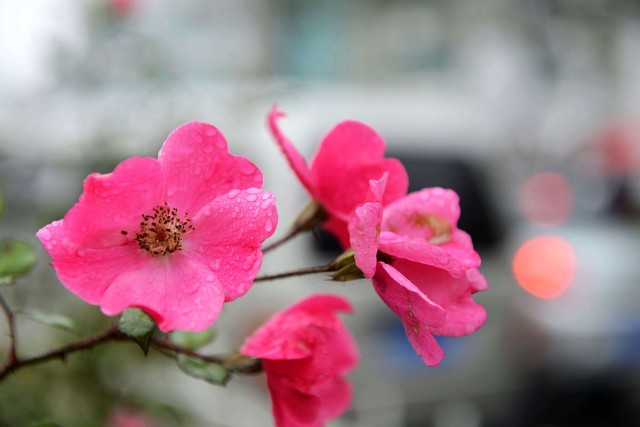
(114, 202)
(199, 167)
(419, 314)
(179, 293)
(295, 159)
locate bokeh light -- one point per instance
(546, 198)
(545, 266)
(619, 147)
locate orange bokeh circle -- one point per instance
(545, 266)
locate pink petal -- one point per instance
(418, 313)
(176, 291)
(291, 408)
(87, 272)
(199, 167)
(349, 157)
(238, 218)
(420, 251)
(364, 228)
(228, 235)
(430, 214)
(295, 159)
(114, 202)
(336, 396)
(282, 335)
(464, 316)
(364, 235)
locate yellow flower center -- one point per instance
(161, 233)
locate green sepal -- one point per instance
(16, 258)
(214, 373)
(345, 267)
(135, 324)
(311, 216)
(52, 319)
(193, 340)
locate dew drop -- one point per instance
(221, 143)
(267, 204)
(233, 194)
(210, 278)
(81, 253)
(252, 198)
(248, 169)
(197, 137)
(210, 131)
(266, 196)
(44, 234)
(254, 190)
(268, 226)
(215, 265)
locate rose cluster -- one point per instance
(180, 235)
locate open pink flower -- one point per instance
(306, 351)
(338, 177)
(175, 236)
(422, 266)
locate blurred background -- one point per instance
(530, 110)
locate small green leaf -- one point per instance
(56, 320)
(193, 340)
(215, 373)
(16, 258)
(135, 324)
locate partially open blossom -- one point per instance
(306, 352)
(422, 266)
(338, 176)
(175, 236)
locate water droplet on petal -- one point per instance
(209, 278)
(45, 234)
(252, 198)
(254, 190)
(248, 169)
(268, 226)
(210, 131)
(266, 196)
(233, 194)
(267, 204)
(197, 137)
(215, 265)
(81, 253)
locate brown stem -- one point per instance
(236, 362)
(11, 322)
(284, 239)
(300, 272)
(109, 334)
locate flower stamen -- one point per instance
(161, 232)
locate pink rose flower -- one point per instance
(338, 177)
(306, 351)
(422, 266)
(175, 236)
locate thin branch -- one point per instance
(236, 362)
(301, 272)
(290, 235)
(109, 334)
(11, 322)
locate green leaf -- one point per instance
(135, 324)
(16, 258)
(56, 320)
(193, 340)
(215, 373)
